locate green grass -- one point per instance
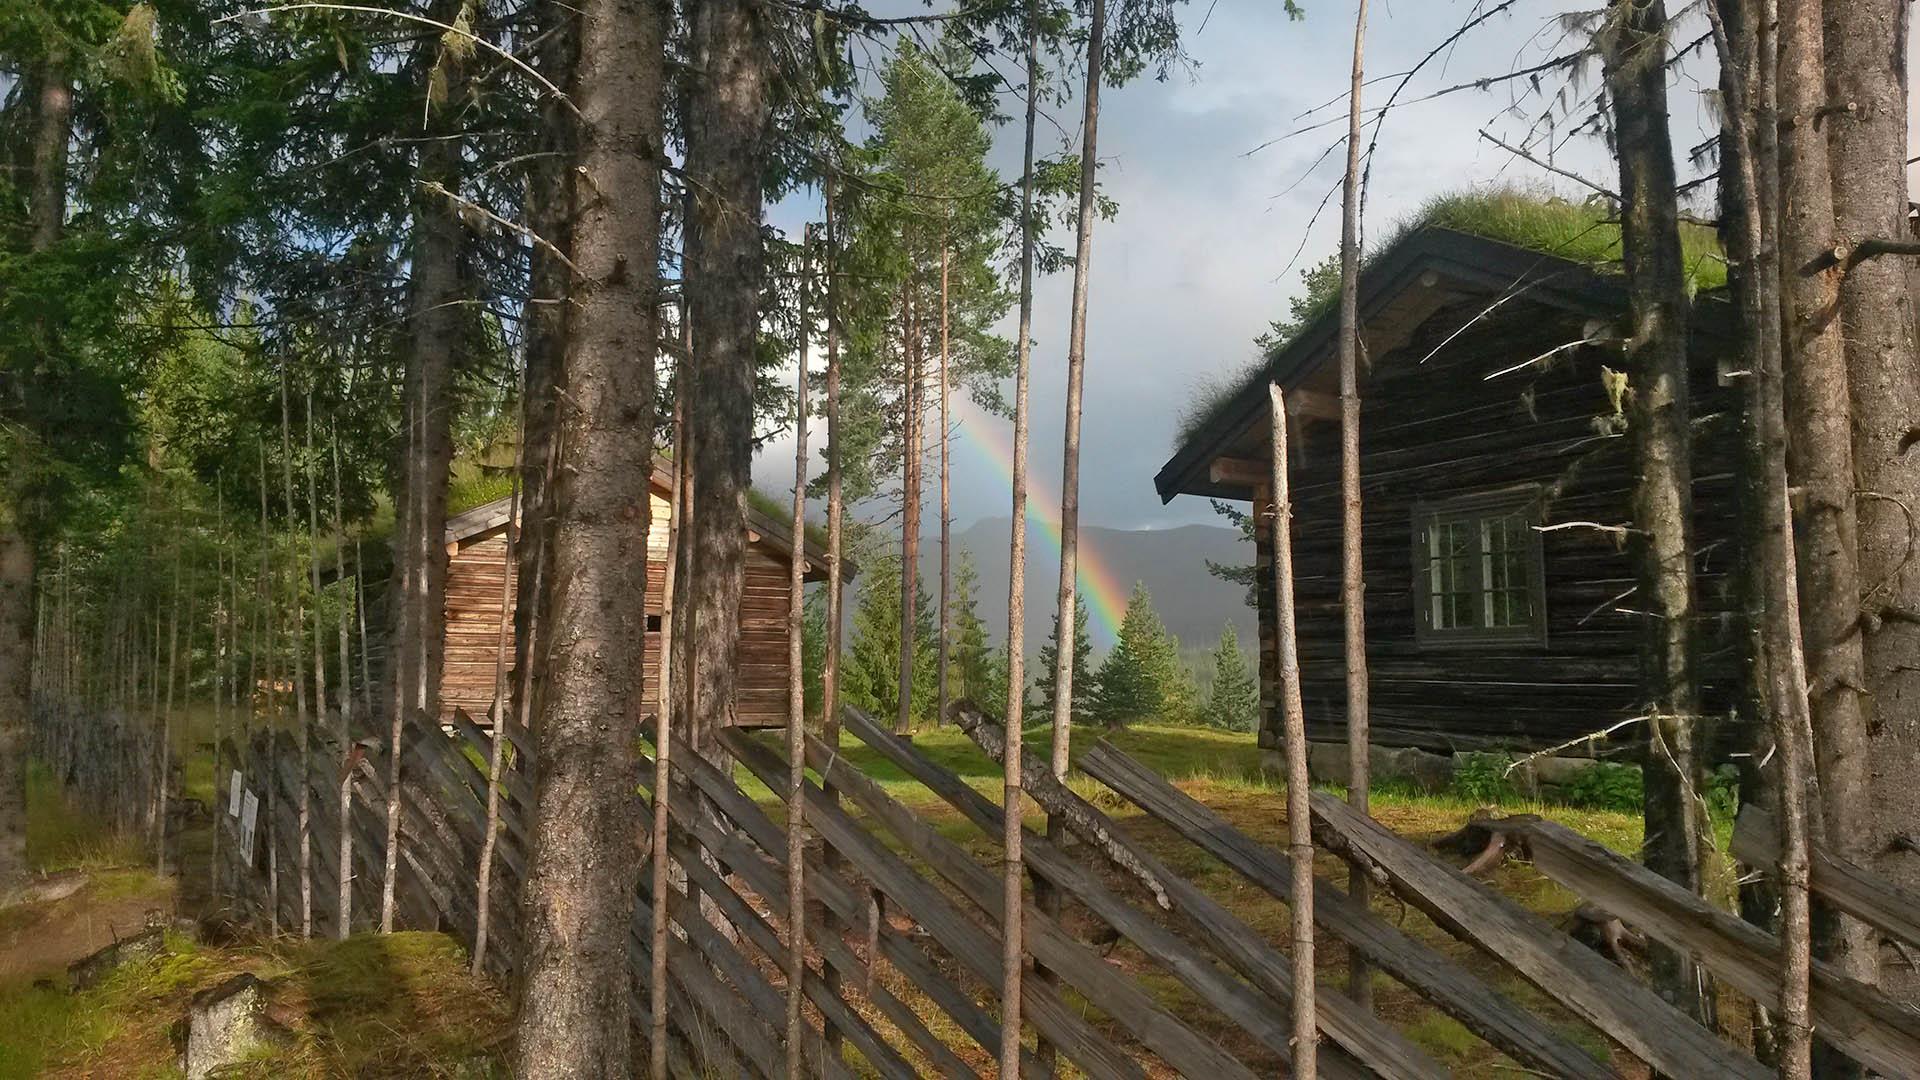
(61, 837)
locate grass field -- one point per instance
(406, 1006)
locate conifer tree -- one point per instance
(1142, 678)
(1082, 667)
(870, 671)
(972, 655)
(1234, 701)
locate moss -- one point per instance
(1443, 1037)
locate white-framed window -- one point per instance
(1478, 575)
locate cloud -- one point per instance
(1201, 256)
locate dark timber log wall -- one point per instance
(1442, 428)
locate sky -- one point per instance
(1202, 254)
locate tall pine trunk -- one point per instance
(579, 891)
(727, 150)
(796, 958)
(303, 720)
(1353, 572)
(946, 500)
(1634, 50)
(1819, 447)
(1067, 594)
(910, 452)
(435, 323)
(1750, 171)
(1012, 869)
(47, 211)
(1866, 47)
(550, 214)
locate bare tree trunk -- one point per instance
(664, 711)
(346, 693)
(270, 632)
(1747, 55)
(1820, 447)
(302, 719)
(726, 155)
(911, 449)
(1866, 48)
(1634, 47)
(1294, 727)
(550, 213)
(946, 502)
(1067, 594)
(1353, 571)
(1012, 867)
(48, 214)
(222, 642)
(502, 701)
(830, 663)
(320, 635)
(578, 894)
(797, 698)
(166, 716)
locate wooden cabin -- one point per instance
(1492, 445)
(476, 548)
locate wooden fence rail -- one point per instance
(904, 931)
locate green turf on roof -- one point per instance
(1586, 232)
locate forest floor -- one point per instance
(405, 1005)
(372, 1006)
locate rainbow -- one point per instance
(1106, 595)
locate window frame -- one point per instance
(1476, 509)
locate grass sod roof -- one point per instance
(1585, 232)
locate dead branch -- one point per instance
(1555, 169)
(1056, 798)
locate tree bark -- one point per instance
(345, 635)
(946, 501)
(550, 214)
(582, 869)
(836, 508)
(1353, 572)
(1012, 867)
(1749, 169)
(1067, 594)
(727, 152)
(1820, 448)
(1866, 48)
(796, 959)
(303, 720)
(1306, 1035)
(47, 209)
(910, 452)
(1634, 49)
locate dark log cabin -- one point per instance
(1496, 479)
(476, 548)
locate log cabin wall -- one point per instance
(1440, 428)
(474, 582)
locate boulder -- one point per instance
(227, 1024)
(145, 945)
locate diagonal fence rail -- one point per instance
(903, 915)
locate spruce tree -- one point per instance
(972, 655)
(1234, 702)
(870, 671)
(1142, 677)
(1083, 679)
